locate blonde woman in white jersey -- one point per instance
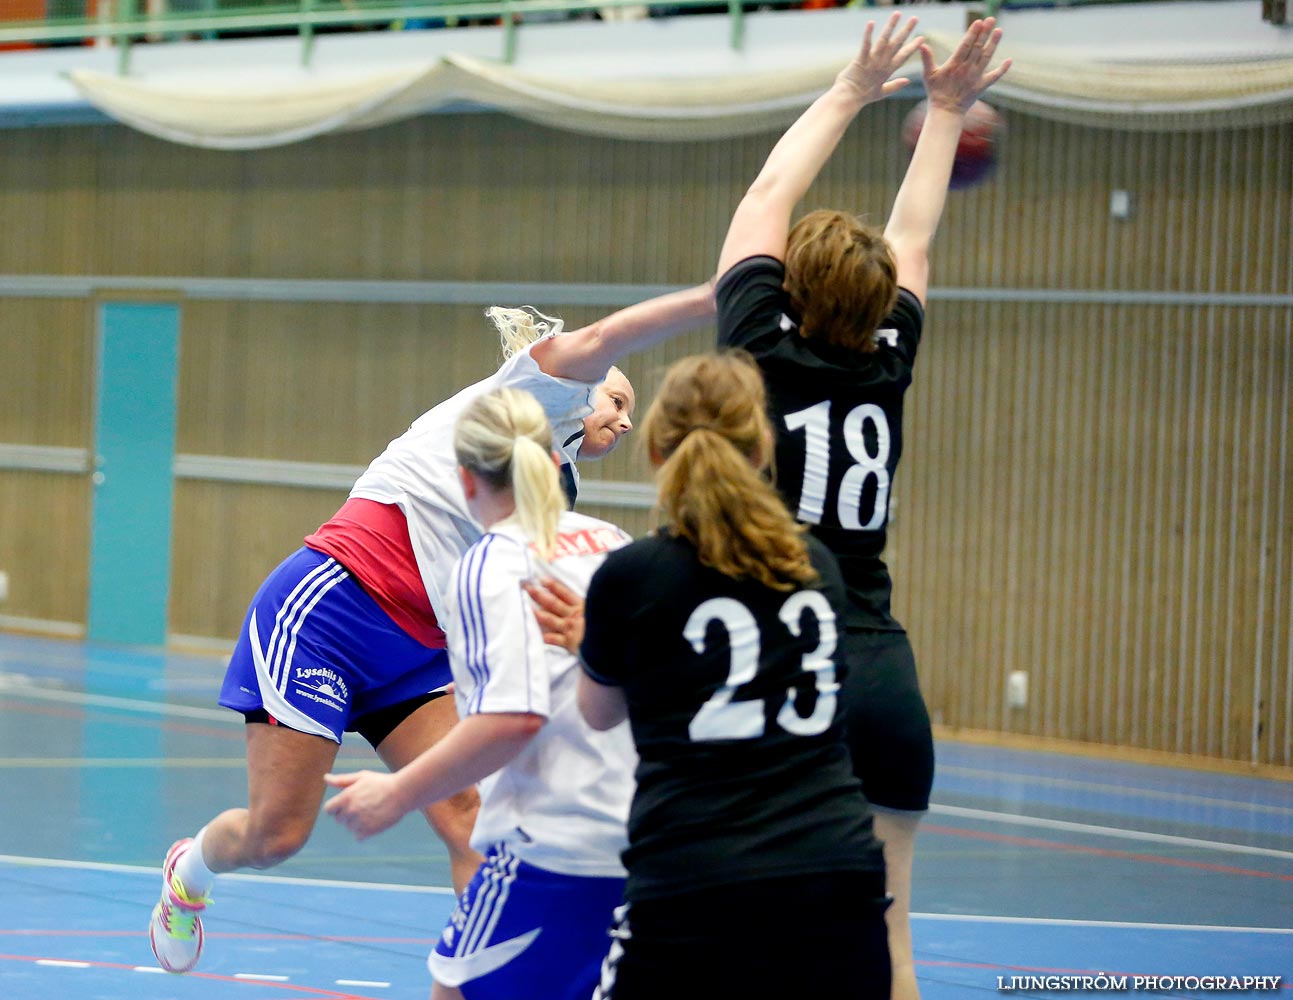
(554, 792)
(346, 635)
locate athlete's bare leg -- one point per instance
(898, 831)
(285, 770)
(439, 992)
(452, 818)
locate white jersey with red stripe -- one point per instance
(563, 802)
(418, 472)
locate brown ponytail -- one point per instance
(707, 431)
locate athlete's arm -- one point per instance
(761, 222)
(951, 89)
(586, 354)
(602, 705)
(474, 748)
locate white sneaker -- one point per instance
(175, 930)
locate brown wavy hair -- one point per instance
(841, 278)
(707, 432)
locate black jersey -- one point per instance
(731, 691)
(838, 418)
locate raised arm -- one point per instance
(951, 89)
(761, 222)
(588, 352)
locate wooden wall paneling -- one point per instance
(160, 208)
(1121, 370)
(44, 544)
(1149, 481)
(47, 198)
(47, 375)
(1276, 195)
(228, 537)
(46, 400)
(322, 383)
(1271, 703)
(1134, 573)
(1234, 674)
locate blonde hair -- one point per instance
(841, 278)
(708, 431)
(519, 328)
(504, 438)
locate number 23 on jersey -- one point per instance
(721, 718)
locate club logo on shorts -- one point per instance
(322, 685)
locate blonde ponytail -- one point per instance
(708, 431)
(519, 328)
(504, 438)
(536, 486)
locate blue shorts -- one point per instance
(316, 652)
(523, 931)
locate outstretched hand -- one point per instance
(869, 72)
(560, 613)
(958, 82)
(368, 805)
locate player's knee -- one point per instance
(453, 818)
(271, 846)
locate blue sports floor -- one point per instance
(1029, 864)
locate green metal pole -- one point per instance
(307, 34)
(128, 14)
(509, 32)
(736, 14)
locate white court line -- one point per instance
(1122, 924)
(1016, 777)
(150, 969)
(143, 706)
(261, 977)
(56, 963)
(362, 982)
(1109, 831)
(100, 866)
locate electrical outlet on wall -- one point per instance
(1017, 689)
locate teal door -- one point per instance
(130, 550)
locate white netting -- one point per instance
(1150, 96)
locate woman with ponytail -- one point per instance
(554, 793)
(752, 868)
(348, 634)
(834, 311)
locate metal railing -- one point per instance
(125, 23)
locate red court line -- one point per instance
(1103, 852)
(262, 983)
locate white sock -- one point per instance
(193, 871)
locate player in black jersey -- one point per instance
(832, 310)
(753, 870)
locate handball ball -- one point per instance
(976, 153)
